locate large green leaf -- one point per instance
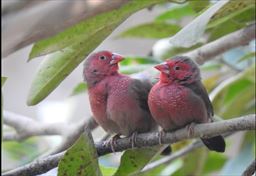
(60, 64)
(81, 159)
(84, 31)
(176, 13)
(133, 161)
(152, 30)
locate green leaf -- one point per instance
(107, 171)
(80, 159)
(53, 70)
(237, 165)
(152, 30)
(84, 31)
(247, 56)
(234, 23)
(133, 161)
(79, 88)
(139, 60)
(214, 162)
(191, 33)
(3, 79)
(59, 65)
(198, 6)
(193, 163)
(22, 152)
(176, 13)
(232, 97)
(135, 68)
(231, 9)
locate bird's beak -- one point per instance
(163, 68)
(116, 58)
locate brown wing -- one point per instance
(199, 89)
(141, 89)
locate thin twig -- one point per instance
(146, 139)
(223, 44)
(27, 127)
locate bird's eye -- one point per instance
(103, 58)
(176, 68)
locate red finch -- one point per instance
(118, 102)
(179, 99)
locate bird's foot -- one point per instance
(133, 138)
(161, 133)
(112, 142)
(190, 129)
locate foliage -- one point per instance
(231, 88)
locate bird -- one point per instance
(180, 100)
(118, 102)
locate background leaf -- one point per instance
(79, 88)
(3, 79)
(190, 34)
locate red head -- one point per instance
(99, 65)
(179, 69)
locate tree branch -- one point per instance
(146, 139)
(26, 127)
(250, 170)
(223, 44)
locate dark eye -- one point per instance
(103, 58)
(176, 68)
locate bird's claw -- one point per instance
(112, 142)
(133, 139)
(190, 129)
(160, 136)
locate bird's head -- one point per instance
(99, 65)
(179, 69)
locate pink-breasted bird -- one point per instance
(179, 99)
(118, 102)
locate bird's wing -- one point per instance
(199, 89)
(141, 90)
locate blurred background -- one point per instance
(229, 78)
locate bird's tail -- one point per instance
(167, 151)
(216, 143)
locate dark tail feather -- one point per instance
(216, 143)
(167, 151)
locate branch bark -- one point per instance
(223, 44)
(250, 170)
(146, 139)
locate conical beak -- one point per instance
(116, 58)
(163, 68)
